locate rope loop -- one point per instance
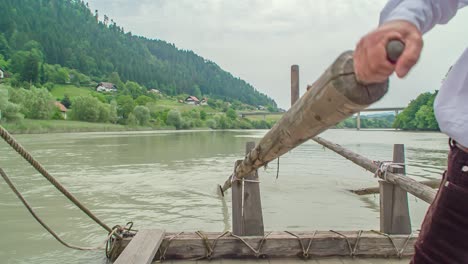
(257, 251)
(383, 167)
(305, 251)
(162, 252)
(399, 252)
(352, 250)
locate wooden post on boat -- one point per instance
(247, 218)
(294, 84)
(394, 211)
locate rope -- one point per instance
(352, 251)
(383, 166)
(38, 219)
(399, 252)
(209, 247)
(163, 252)
(305, 252)
(257, 251)
(25, 154)
(277, 168)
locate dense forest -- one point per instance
(40, 36)
(419, 115)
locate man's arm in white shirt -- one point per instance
(425, 14)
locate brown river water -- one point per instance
(168, 179)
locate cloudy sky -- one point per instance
(258, 40)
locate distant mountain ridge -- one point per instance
(69, 34)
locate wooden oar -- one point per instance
(335, 96)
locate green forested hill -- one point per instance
(68, 33)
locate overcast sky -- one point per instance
(258, 40)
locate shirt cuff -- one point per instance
(402, 15)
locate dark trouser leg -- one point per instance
(444, 232)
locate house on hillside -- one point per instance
(62, 108)
(154, 91)
(192, 100)
(2, 73)
(204, 101)
(106, 87)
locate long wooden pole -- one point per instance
(415, 188)
(373, 190)
(335, 96)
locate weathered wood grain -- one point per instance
(415, 188)
(373, 190)
(142, 248)
(247, 217)
(394, 210)
(294, 84)
(335, 96)
(284, 245)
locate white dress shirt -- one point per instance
(451, 104)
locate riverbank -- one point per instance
(28, 126)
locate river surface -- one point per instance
(168, 180)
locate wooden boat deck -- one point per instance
(295, 261)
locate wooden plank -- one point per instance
(394, 210)
(294, 84)
(335, 96)
(373, 190)
(236, 193)
(142, 248)
(283, 245)
(252, 216)
(415, 188)
(247, 218)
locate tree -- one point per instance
(38, 103)
(30, 71)
(115, 79)
(231, 114)
(203, 115)
(143, 100)
(66, 101)
(142, 115)
(125, 105)
(113, 116)
(9, 111)
(174, 119)
(86, 108)
(133, 89)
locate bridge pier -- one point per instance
(358, 121)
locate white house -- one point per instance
(154, 91)
(106, 87)
(2, 73)
(192, 100)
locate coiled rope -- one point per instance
(24, 153)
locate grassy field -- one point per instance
(28, 126)
(60, 90)
(267, 118)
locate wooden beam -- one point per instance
(142, 248)
(415, 188)
(294, 84)
(247, 217)
(334, 97)
(284, 245)
(394, 210)
(373, 190)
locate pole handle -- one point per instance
(394, 50)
